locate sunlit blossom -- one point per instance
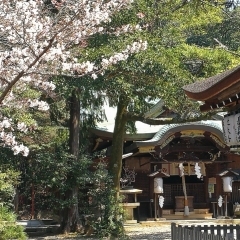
(38, 45)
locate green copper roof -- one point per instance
(167, 130)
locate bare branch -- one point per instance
(226, 48)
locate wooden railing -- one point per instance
(205, 232)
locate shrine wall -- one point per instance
(235, 158)
(142, 168)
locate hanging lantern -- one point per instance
(227, 177)
(227, 184)
(158, 185)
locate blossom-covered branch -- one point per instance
(38, 41)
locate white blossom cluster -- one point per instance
(8, 139)
(127, 29)
(40, 105)
(36, 44)
(123, 56)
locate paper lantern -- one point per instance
(158, 185)
(231, 129)
(227, 184)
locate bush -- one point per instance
(8, 227)
(109, 220)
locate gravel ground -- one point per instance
(136, 232)
(149, 231)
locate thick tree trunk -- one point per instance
(115, 164)
(71, 221)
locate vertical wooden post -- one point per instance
(226, 205)
(186, 208)
(33, 202)
(16, 200)
(155, 206)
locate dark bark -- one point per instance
(71, 218)
(74, 124)
(115, 164)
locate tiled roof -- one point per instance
(168, 130)
(228, 173)
(203, 85)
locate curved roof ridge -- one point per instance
(155, 110)
(168, 128)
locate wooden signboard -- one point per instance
(212, 180)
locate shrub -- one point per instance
(8, 227)
(109, 220)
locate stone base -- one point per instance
(130, 221)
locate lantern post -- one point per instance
(227, 177)
(158, 191)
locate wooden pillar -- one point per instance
(33, 202)
(219, 189)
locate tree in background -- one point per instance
(168, 63)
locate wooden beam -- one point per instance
(203, 161)
(190, 148)
(229, 102)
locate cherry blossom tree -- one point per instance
(41, 39)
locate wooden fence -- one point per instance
(205, 232)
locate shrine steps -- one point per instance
(169, 214)
(185, 221)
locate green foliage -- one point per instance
(226, 31)
(109, 219)
(8, 182)
(8, 227)
(170, 60)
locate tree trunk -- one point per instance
(71, 221)
(115, 164)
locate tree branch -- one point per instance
(182, 4)
(21, 74)
(226, 48)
